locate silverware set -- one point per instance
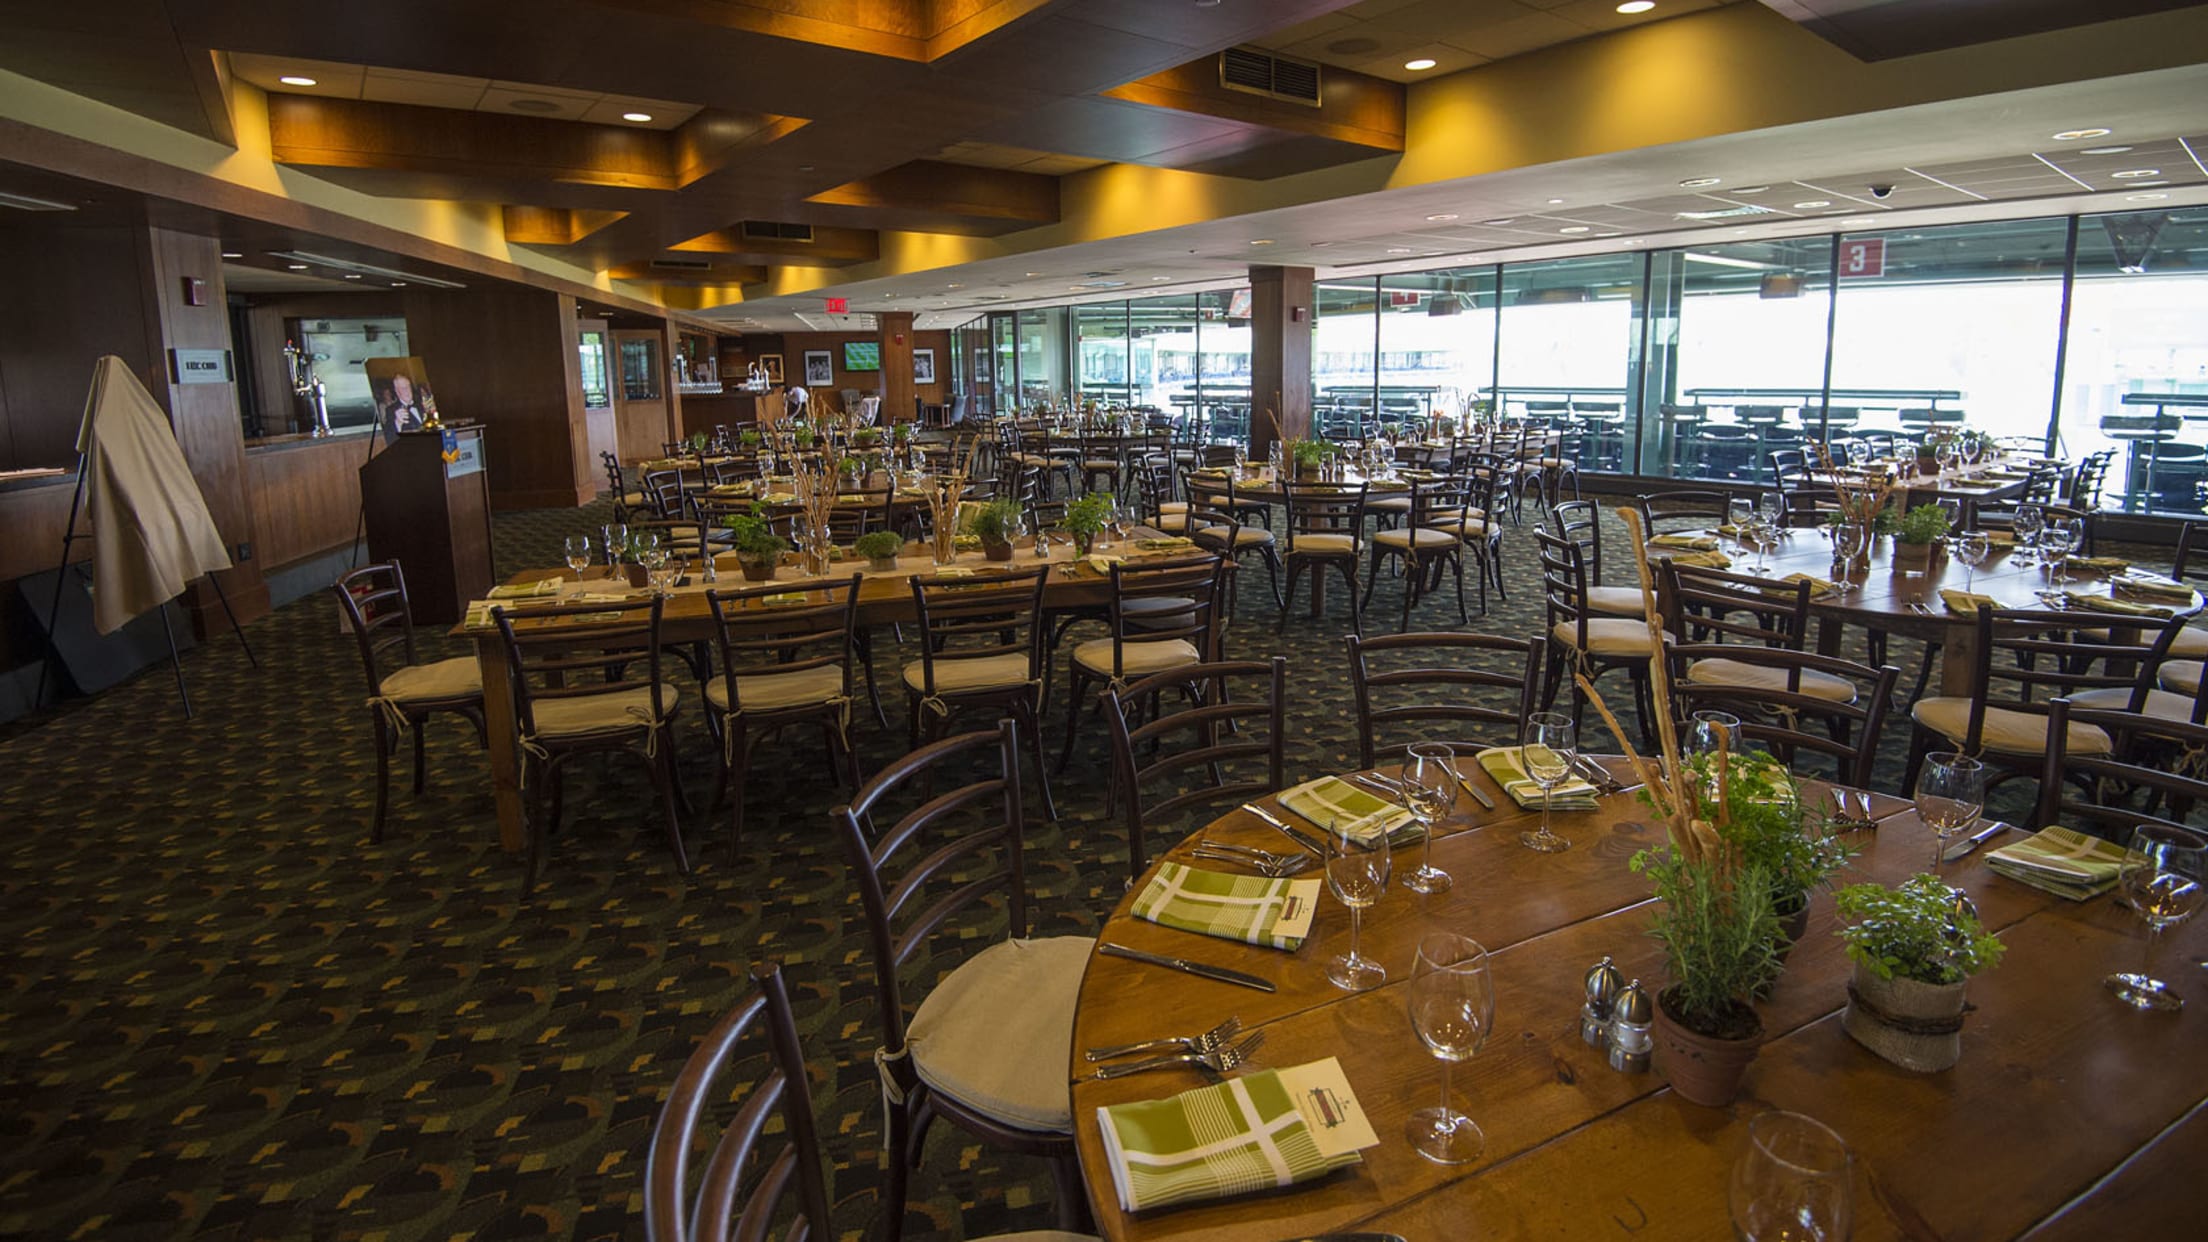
(1264, 862)
(1850, 820)
(1218, 1060)
(1597, 775)
(1216, 1037)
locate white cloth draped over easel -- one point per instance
(151, 532)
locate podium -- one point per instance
(427, 503)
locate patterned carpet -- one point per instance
(229, 1015)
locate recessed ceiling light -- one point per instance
(1447, 215)
(1696, 183)
(1556, 202)
(1161, 278)
(232, 254)
(1636, 6)
(398, 284)
(2104, 150)
(533, 105)
(954, 286)
(2131, 174)
(1399, 250)
(352, 275)
(638, 117)
(2143, 198)
(1262, 241)
(1858, 222)
(2073, 135)
(293, 79)
(1500, 220)
(1630, 241)
(804, 168)
(1573, 228)
(1420, 65)
(1813, 204)
(297, 267)
(1751, 189)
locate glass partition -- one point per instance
(1223, 363)
(1566, 341)
(1043, 356)
(1100, 344)
(2139, 333)
(1345, 340)
(1161, 351)
(1437, 342)
(1004, 371)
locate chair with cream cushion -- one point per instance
(981, 648)
(577, 690)
(1663, 512)
(784, 663)
(1217, 521)
(1427, 542)
(1716, 607)
(1582, 643)
(1163, 614)
(2025, 658)
(1776, 691)
(1326, 530)
(2148, 774)
(371, 599)
(1444, 687)
(1581, 522)
(1220, 749)
(988, 1046)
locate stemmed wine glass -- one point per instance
(1944, 454)
(2164, 876)
(615, 541)
(1550, 741)
(1951, 795)
(1771, 506)
(2028, 521)
(1356, 873)
(1972, 549)
(1427, 793)
(1452, 1002)
(1793, 1183)
(2060, 537)
(577, 552)
(1740, 514)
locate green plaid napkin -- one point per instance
(1702, 560)
(1682, 539)
(1504, 764)
(1354, 812)
(1241, 1136)
(528, 590)
(2061, 861)
(1215, 903)
(2094, 602)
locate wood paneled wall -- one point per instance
(306, 497)
(505, 357)
(75, 293)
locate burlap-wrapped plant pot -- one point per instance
(1917, 1026)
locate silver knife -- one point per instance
(1468, 786)
(1201, 970)
(1281, 826)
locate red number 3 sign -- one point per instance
(1865, 257)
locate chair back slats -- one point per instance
(373, 598)
(966, 619)
(1775, 715)
(1218, 725)
(1163, 602)
(1715, 606)
(2179, 788)
(544, 645)
(2028, 658)
(859, 511)
(666, 495)
(1581, 522)
(1441, 685)
(1563, 580)
(1683, 510)
(1324, 509)
(759, 638)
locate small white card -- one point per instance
(1298, 911)
(1330, 1109)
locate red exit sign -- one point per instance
(838, 306)
(1864, 256)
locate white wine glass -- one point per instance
(2164, 876)
(1452, 1003)
(1356, 873)
(1427, 793)
(1951, 795)
(1793, 1183)
(577, 552)
(1972, 549)
(2028, 520)
(1740, 514)
(1550, 741)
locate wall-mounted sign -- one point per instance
(838, 306)
(1864, 256)
(199, 366)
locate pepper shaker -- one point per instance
(1602, 991)
(1629, 1030)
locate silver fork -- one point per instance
(1272, 867)
(1218, 1060)
(1212, 1039)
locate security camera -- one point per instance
(1882, 191)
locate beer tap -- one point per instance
(305, 383)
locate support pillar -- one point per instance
(1280, 356)
(897, 387)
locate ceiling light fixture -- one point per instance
(1696, 183)
(638, 117)
(1262, 241)
(297, 267)
(293, 79)
(302, 258)
(1813, 204)
(2143, 198)
(1420, 65)
(1399, 250)
(352, 275)
(398, 284)
(1858, 222)
(25, 202)
(1556, 202)
(1573, 228)
(1719, 260)
(2131, 174)
(232, 254)
(1631, 7)
(2104, 150)
(1158, 278)
(1500, 220)
(1447, 215)
(2073, 135)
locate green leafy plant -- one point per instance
(995, 522)
(698, 441)
(1921, 525)
(748, 437)
(805, 436)
(1307, 454)
(1720, 936)
(1088, 516)
(1914, 932)
(1765, 823)
(901, 432)
(880, 545)
(866, 437)
(755, 540)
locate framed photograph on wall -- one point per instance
(772, 365)
(923, 366)
(820, 368)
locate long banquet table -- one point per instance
(2068, 1115)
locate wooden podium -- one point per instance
(428, 507)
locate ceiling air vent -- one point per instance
(1257, 72)
(683, 265)
(776, 230)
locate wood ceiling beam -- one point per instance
(711, 273)
(316, 132)
(953, 190)
(833, 246)
(553, 226)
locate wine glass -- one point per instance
(614, 538)
(2059, 537)
(1356, 873)
(654, 559)
(1740, 513)
(1427, 793)
(1452, 1002)
(1241, 458)
(577, 552)
(1772, 506)
(2164, 876)
(1951, 794)
(1793, 1183)
(1944, 454)
(1859, 453)
(1972, 549)
(1549, 745)
(2028, 521)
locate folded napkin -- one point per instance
(1354, 812)
(1503, 763)
(2010, 475)
(1248, 908)
(528, 590)
(2092, 602)
(1703, 560)
(1240, 1136)
(1168, 543)
(783, 599)
(954, 571)
(2098, 564)
(1975, 484)
(2154, 587)
(780, 498)
(1818, 587)
(1966, 603)
(1684, 539)
(1102, 562)
(2000, 538)
(2061, 861)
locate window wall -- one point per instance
(2138, 328)
(1042, 338)
(1100, 345)
(1162, 348)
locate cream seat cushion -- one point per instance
(1172, 506)
(456, 678)
(1389, 504)
(1608, 638)
(1426, 537)
(2008, 731)
(1722, 672)
(995, 672)
(769, 691)
(2161, 704)
(1242, 536)
(1464, 528)
(997, 1034)
(1141, 659)
(2191, 643)
(1172, 521)
(599, 713)
(1617, 601)
(1324, 544)
(2182, 676)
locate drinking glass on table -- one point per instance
(1550, 741)
(1951, 795)
(2164, 876)
(1427, 793)
(1740, 513)
(614, 538)
(2060, 537)
(1356, 873)
(2028, 521)
(1452, 1002)
(1793, 1183)
(1972, 549)
(577, 553)
(1771, 506)
(1943, 453)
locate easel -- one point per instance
(168, 631)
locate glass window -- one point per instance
(1345, 343)
(639, 368)
(1100, 342)
(1162, 353)
(1043, 356)
(2137, 316)
(1437, 341)
(1223, 362)
(1004, 372)
(1567, 332)
(597, 390)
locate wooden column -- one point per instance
(505, 357)
(896, 328)
(1280, 355)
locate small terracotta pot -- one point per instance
(1001, 551)
(1701, 1069)
(1917, 1026)
(638, 576)
(758, 571)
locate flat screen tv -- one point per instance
(862, 355)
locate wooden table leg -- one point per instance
(1958, 659)
(498, 721)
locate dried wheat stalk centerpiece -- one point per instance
(1859, 496)
(816, 483)
(944, 492)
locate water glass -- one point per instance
(1972, 549)
(1951, 795)
(577, 552)
(2164, 876)
(1740, 514)
(1427, 793)
(1356, 873)
(1793, 1183)
(1550, 742)
(1452, 1002)
(2028, 521)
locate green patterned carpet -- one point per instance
(229, 1015)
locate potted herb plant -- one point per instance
(1720, 937)
(630, 556)
(996, 524)
(748, 437)
(880, 549)
(698, 440)
(1085, 519)
(758, 549)
(1914, 534)
(1307, 456)
(1915, 948)
(1765, 822)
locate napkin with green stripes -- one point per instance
(1352, 811)
(1507, 766)
(2152, 586)
(2061, 861)
(1241, 1136)
(2098, 564)
(1248, 908)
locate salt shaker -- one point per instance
(1629, 1030)
(1602, 991)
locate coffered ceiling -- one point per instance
(1383, 37)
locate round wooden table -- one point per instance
(2068, 1114)
(1258, 483)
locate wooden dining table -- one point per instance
(2069, 1115)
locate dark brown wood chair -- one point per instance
(1431, 680)
(1162, 615)
(2149, 773)
(1773, 691)
(981, 648)
(402, 694)
(783, 665)
(1683, 510)
(1326, 530)
(1581, 641)
(1428, 541)
(1213, 733)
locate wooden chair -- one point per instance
(981, 646)
(987, 1048)
(1162, 615)
(1713, 606)
(1219, 523)
(1773, 690)
(624, 499)
(1440, 687)
(560, 716)
(1693, 510)
(2149, 756)
(1326, 530)
(1430, 539)
(402, 694)
(781, 666)
(1581, 641)
(1581, 522)
(1212, 734)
